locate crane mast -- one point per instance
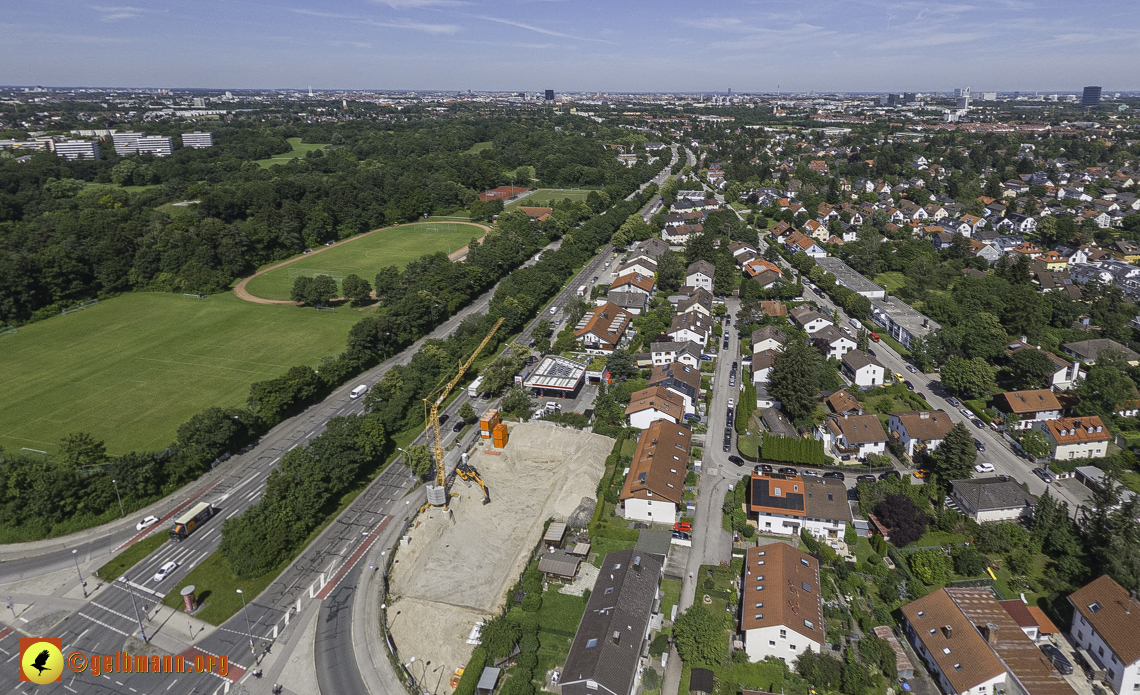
(437, 494)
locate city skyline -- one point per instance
(575, 46)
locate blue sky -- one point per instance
(575, 45)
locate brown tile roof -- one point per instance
(539, 214)
(764, 359)
(681, 372)
(1016, 650)
(950, 638)
(1044, 625)
(657, 397)
(927, 425)
(778, 584)
(859, 429)
(1033, 401)
(843, 402)
(1019, 612)
(642, 282)
(607, 321)
(769, 333)
(1075, 430)
(659, 463)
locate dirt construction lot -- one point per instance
(455, 571)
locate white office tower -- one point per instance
(963, 98)
(199, 103)
(198, 141)
(77, 149)
(126, 143)
(157, 145)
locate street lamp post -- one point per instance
(248, 627)
(122, 512)
(131, 589)
(82, 583)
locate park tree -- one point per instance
(971, 378)
(954, 458)
(795, 379)
(313, 291)
(1031, 369)
(357, 290)
(700, 637)
(466, 411)
(1035, 443)
(81, 450)
(420, 460)
(670, 271)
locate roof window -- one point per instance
(806, 587)
(946, 650)
(592, 642)
(1094, 607)
(805, 562)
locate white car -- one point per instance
(165, 571)
(984, 468)
(966, 412)
(146, 523)
(731, 402)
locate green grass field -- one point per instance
(367, 256)
(132, 369)
(478, 147)
(543, 197)
(299, 150)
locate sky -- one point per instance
(575, 45)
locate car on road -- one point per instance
(921, 394)
(307, 251)
(458, 426)
(979, 445)
(910, 368)
(734, 365)
(595, 279)
(727, 432)
(899, 377)
(146, 523)
(683, 526)
(727, 443)
(763, 468)
(737, 460)
(979, 424)
(1043, 474)
(726, 343)
(731, 402)
(953, 401)
(865, 479)
(984, 467)
(728, 320)
(731, 380)
(835, 475)
(329, 243)
(807, 472)
(444, 418)
(890, 474)
(165, 570)
(909, 386)
(788, 470)
(966, 413)
(875, 337)
(1057, 658)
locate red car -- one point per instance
(683, 526)
(874, 337)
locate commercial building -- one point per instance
(155, 144)
(198, 140)
(605, 657)
(846, 276)
(1106, 626)
(556, 376)
(901, 321)
(77, 149)
(656, 480)
(1090, 97)
(781, 603)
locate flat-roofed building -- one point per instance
(556, 375)
(198, 140)
(157, 145)
(781, 603)
(848, 277)
(77, 149)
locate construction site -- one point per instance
(455, 565)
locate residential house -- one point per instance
(781, 603)
(1021, 224)
(684, 352)
(1106, 625)
(768, 338)
(992, 499)
(690, 327)
(740, 248)
(1087, 350)
(1032, 621)
(633, 302)
(633, 282)
(902, 322)
(920, 430)
(700, 274)
(679, 235)
(843, 403)
(796, 242)
(762, 363)
(1127, 251)
(816, 230)
(602, 328)
(831, 341)
(809, 318)
(1053, 260)
(652, 248)
(1031, 407)
(862, 369)
(681, 379)
(976, 223)
(957, 655)
(640, 266)
(656, 480)
(1065, 373)
(700, 301)
(605, 656)
(1076, 437)
(853, 435)
(912, 210)
(786, 504)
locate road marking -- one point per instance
(100, 622)
(172, 684)
(236, 511)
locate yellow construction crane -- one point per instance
(437, 494)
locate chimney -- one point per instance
(990, 633)
(948, 631)
(617, 637)
(637, 563)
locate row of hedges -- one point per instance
(793, 450)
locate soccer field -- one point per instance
(367, 255)
(543, 197)
(131, 369)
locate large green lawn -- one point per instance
(368, 255)
(545, 196)
(300, 149)
(133, 368)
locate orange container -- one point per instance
(500, 435)
(488, 422)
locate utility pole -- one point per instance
(136, 606)
(82, 583)
(248, 628)
(122, 512)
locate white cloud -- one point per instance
(396, 24)
(111, 14)
(541, 30)
(413, 4)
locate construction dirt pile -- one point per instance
(456, 569)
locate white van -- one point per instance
(856, 323)
(358, 392)
(553, 310)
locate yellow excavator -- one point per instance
(437, 494)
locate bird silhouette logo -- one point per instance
(41, 660)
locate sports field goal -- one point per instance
(7, 330)
(194, 295)
(436, 226)
(33, 453)
(80, 307)
(322, 307)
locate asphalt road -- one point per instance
(335, 659)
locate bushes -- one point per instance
(793, 450)
(471, 674)
(906, 522)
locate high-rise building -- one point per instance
(157, 145)
(989, 96)
(198, 140)
(77, 149)
(550, 95)
(963, 98)
(126, 142)
(1090, 97)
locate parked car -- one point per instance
(1057, 658)
(788, 470)
(737, 460)
(681, 535)
(979, 424)
(910, 368)
(921, 474)
(444, 418)
(953, 401)
(1043, 474)
(165, 570)
(731, 380)
(984, 467)
(865, 479)
(731, 402)
(764, 468)
(706, 358)
(909, 386)
(807, 472)
(966, 412)
(306, 251)
(146, 523)
(734, 365)
(683, 526)
(727, 432)
(458, 426)
(727, 444)
(890, 474)
(979, 445)
(835, 475)
(728, 413)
